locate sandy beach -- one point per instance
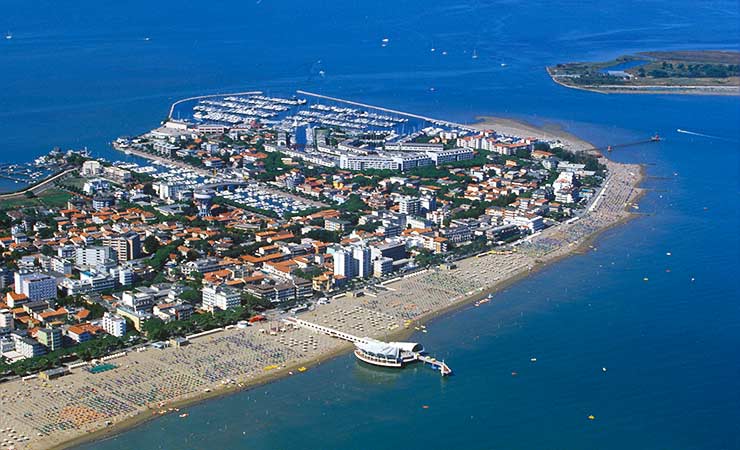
(84, 406)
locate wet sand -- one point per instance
(82, 406)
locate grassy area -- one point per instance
(705, 69)
(52, 198)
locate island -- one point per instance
(707, 72)
(248, 237)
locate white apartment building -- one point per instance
(92, 256)
(114, 325)
(221, 297)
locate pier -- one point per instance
(443, 368)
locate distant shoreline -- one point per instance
(684, 72)
(503, 125)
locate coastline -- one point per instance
(731, 90)
(523, 265)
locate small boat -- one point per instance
(591, 417)
(183, 415)
(482, 301)
(302, 369)
(533, 359)
(655, 138)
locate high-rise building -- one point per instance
(50, 338)
(126, 246)
(204, 201)
(361, 261)
(409, 206)
(114, 325)
(36, 286)
(343, 263)
(221, 297)
(93, 255)
(6, 321)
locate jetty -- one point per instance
(372, 351)
(201, 97)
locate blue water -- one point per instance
(80, 74)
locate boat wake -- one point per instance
(709, 136)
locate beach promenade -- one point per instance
(38, 414)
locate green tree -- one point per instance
(151, 244)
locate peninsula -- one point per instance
(257, 230)
(704, 72)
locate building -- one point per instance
(6, 321)
(200, 266)
(82, 332)
(334, 224)
(362, 266)
(414, 147)
(36, 286)
(92, 256)
(220, 297)
(114, 325)
(409, 205)
(173, 311)
(382, 266)
(91, 168)
(204, 200)
(102, 201)
(125, 246)
(60, 265)
(451, 155)
(392, 250)
(50, 338)
(95, 185)
(126, 276)
(400, 162)
(27, 347)
(343, 265)
(117, 174)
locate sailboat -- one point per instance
(475, 54)
(8, 35)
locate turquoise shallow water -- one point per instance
(670, 345)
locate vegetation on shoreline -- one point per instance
(657, 71)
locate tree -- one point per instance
(151, 244)
(149, 189)
(154, 329)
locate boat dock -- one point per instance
(387, 110)
(443, 368)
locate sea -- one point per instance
(642, 332)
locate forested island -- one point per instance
(656, 72)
